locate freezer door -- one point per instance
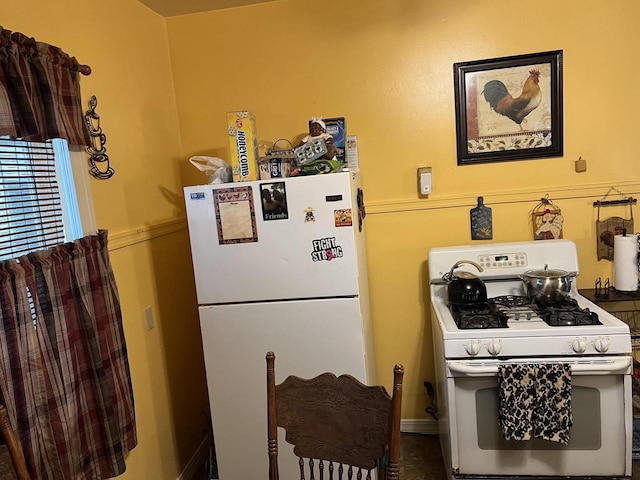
(308, 338)
(243, 252)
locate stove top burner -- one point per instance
(479, 315)
(567, 313)
(496, 312)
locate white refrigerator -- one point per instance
(280, 266)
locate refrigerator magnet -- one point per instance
(325, 249)
(343, 217)
(308, 215)
(235, 215)
(274, 201)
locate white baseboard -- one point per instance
(426, 425)
(197, 460)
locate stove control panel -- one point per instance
(570, 345)
(583, 344)
(494, 347)
(503, 260)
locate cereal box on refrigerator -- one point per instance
(243, 145)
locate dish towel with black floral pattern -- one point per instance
(535, 401)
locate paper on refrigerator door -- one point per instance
(235, 215)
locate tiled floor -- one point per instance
(421, 459)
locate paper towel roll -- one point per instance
(625, 263)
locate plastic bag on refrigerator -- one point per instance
(217, 170)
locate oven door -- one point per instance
(600, 438)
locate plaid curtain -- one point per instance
(39, 91)
(64, 372)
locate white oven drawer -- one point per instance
(600, 438)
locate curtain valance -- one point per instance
(40, 91)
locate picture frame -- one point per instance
(509, 108)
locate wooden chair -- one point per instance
(11, 442)
(338, 426)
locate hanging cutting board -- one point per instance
(481, 221)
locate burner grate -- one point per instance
(516, 307)
(479, 315)
(567, 313)
(511, 301)
(497, 311)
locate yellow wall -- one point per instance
(163, 88)
(142, 207)
(387, 66)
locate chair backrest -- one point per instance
(15, 451)
(335, 424)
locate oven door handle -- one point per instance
(606, 367)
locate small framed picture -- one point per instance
(274, 201)
(509, 108)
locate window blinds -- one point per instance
(30, 205)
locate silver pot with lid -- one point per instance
(548, 285)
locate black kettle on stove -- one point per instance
(465, 288)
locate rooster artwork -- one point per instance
(501, 101)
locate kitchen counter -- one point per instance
(610, 296)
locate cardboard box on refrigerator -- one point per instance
(243, 145)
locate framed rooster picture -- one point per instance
(509, 108)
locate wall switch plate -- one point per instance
(424, 180)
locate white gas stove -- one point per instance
(595, 344)
(526, 333)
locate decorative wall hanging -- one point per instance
(607, 229)
(509, 108)
(97, 149)
(546, 220)
(481, 221)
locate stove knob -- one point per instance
(494, 347)
(472, 348)
(601, 345)
(579, 346)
